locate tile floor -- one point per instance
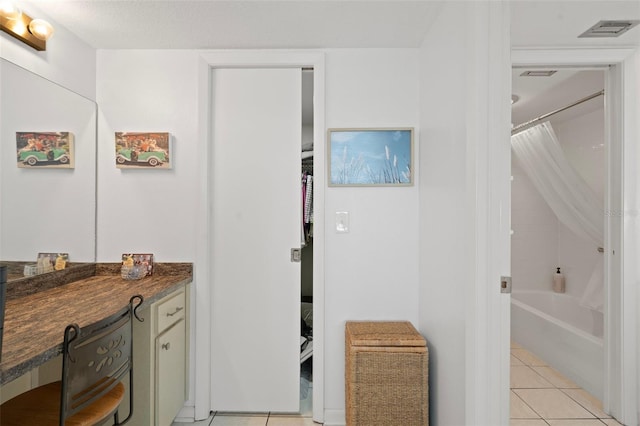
(304, 418)
(541, 396)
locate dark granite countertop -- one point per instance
(35, 321)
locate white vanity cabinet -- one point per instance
(160, 361)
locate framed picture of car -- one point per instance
(148, 150)
(45, 150)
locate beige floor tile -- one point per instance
(290, 421)
(527, 422)
(527, 357)
(520, 410)
(516, 361)
(206, 422)
(575, 422)
(611, 422)
(588, 401)
(239, 420)
(552, 404)
(555, 377)
(523, 377)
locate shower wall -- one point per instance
(540, 242)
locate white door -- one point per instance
(255, 222)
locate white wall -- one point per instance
(534, 243)
(147, 210)
(371, 272)
(443, 240)
(582, 139)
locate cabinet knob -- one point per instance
(166, 345)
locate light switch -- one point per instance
(342, 222)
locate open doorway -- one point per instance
(306, 244)
(559, 190)
(621, 248)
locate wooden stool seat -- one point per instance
(41, 407)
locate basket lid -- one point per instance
(383, 333)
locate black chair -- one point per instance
(95, 360)
(3, 293)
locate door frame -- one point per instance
(202, 274)
(621, 206)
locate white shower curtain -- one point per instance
(574, 203)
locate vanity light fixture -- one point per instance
(33, 32)
(41, 29)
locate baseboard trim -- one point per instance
(334, 418)
(187, 414)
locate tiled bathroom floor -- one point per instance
(541, 396)
(266, 419)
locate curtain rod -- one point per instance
(521, 126)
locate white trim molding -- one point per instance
(256, 59)
(622, 228)
(488, 217)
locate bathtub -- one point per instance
(567, 336)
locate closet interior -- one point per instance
(306, 243)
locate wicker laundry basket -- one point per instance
(386, 374)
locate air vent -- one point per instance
(538, 73)
(609, 28)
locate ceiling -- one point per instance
(241, 24)
(274, 24)
(541, 95)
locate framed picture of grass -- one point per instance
(370, 156)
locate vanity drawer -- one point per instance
(171, 311)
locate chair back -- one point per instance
(95, 359)
(3, 297)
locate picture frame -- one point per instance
(141, 260)
(142, 150)
(51, 150)
(370, 156)
(57, 261)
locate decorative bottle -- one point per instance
(558, 282)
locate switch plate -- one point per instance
(342, 222)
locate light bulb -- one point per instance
(9, 10)
(41, 29)
(18, 27)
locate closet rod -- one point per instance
(527, 124)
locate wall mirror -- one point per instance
(47, 205)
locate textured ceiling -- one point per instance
(272, 24)
(211, 24)
(559, 23)
(240, 24)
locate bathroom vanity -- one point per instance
(36, 315)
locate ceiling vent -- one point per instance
(538, 73)
(609, 28)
